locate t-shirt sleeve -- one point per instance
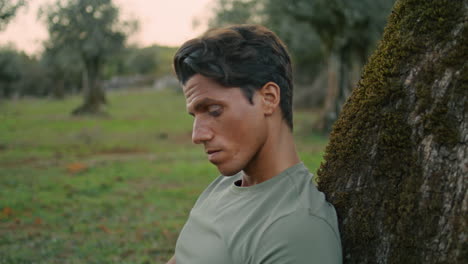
(299, 238)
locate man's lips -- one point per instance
(213, 154)
(211, 151)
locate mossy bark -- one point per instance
(396, 166)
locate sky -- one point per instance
(163, 22)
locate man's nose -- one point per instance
(201, 133)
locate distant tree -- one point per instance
(8, 10)
(348, 31)
(396, 165)
(143, 61)
(9, 63)
(164, 60)
(21, 75)
(64, 68)
(10, 71)
(34, 80)
(91, 30)
(134, 60)
(235, 12)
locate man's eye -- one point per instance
(215, 110)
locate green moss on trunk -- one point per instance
(373, 170)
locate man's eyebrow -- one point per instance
(202, 103)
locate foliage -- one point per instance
(235, 12)
(340, 23)
(165, 57)
(104, 190)
(89, 28)
(337, 23)
(8, 9)
(63, 68)
(143, 60)
(10, 71)
(21, 75)
(133, 60)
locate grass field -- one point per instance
(109, 189)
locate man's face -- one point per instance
(231, 129)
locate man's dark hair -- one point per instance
(245, 56)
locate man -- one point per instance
(264, 208)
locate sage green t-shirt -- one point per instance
(284, 220)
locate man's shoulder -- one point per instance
(302, 219)
(300, 237)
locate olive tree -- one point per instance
(91, 31)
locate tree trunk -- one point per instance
(340, 82)
(94, 96)
(396, 167)
(328, 113)
(58, 91)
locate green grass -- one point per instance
(113, 189)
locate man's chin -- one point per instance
(226, 171)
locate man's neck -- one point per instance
(276, 155)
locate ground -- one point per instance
(108, 189)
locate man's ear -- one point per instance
(270, 96)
